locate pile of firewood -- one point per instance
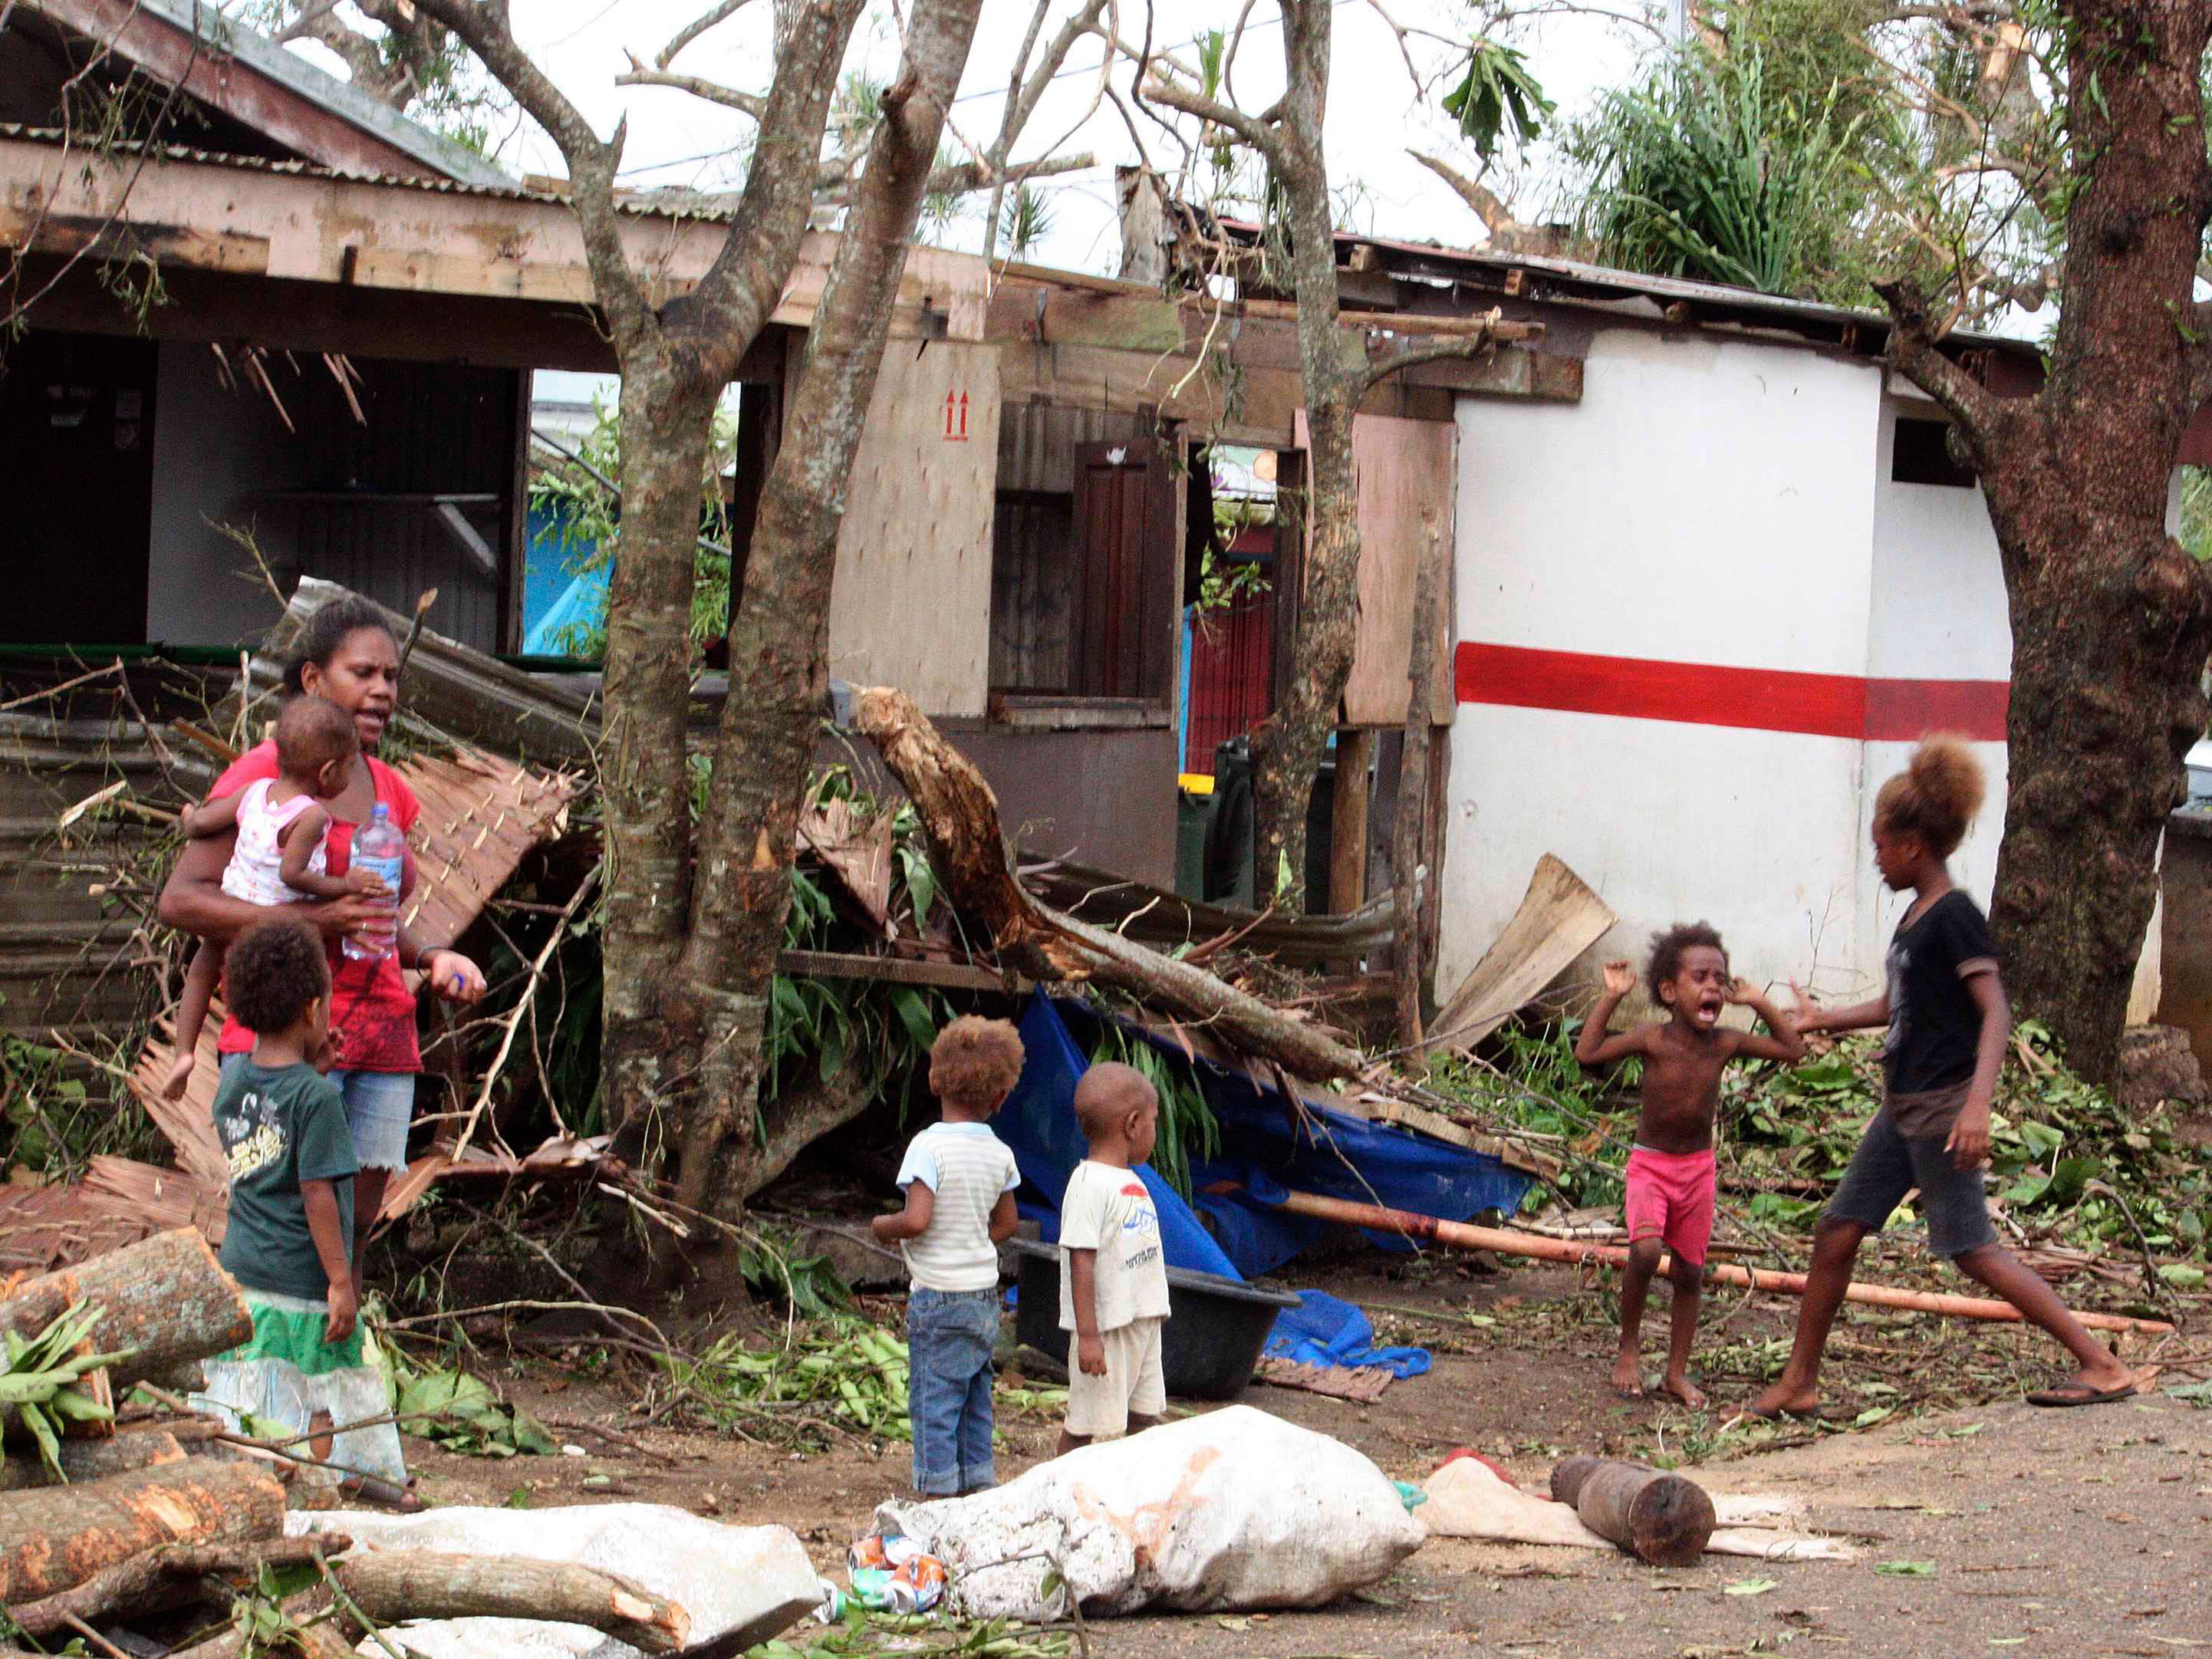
(147, 1515)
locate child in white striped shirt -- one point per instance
(959, 1181)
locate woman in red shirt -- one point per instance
(347, 655)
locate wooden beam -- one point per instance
(1347, 834)
(188, 246)
(467, 536)
(385, 235)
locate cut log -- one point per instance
(96, 1460)
(158, 1577)
(1656, 1517)
(166, 1300)
(403, 1584)
(968, 847)
(55, 1537)
(1464, 1236)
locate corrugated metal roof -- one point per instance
(508, 189)
(326, 91)
(1445, 263)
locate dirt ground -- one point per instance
(2043, 1532)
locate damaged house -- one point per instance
(1712, 567)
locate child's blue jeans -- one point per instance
(950, 1335)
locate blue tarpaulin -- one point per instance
(1038, 1125)
(1322, 1330)
(1266, 1147)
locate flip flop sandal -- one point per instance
(2080, 1394)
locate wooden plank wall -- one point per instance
(1405, 467)
(66, 955)
(911, 607)
(1033, 556)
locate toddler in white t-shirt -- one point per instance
(1113, 1268)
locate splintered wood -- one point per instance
(481, 814)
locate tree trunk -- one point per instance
(1287, 749)
(96, 1460)
(159, 1577)
(960, 815)
(167, 1300)
(2111, 620)
(57, 1537)
(779, 638)
(650, 1061)
(391, 1586)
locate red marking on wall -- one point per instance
(955, 418)
(1705, 693)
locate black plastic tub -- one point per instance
(1213, 1336)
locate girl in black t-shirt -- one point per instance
(1948, 1022)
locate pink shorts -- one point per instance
(1670, 1198)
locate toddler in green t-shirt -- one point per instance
(289, 1245)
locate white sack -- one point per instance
(745, 1583)
(1234, 1510)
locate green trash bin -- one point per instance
(1193, 823)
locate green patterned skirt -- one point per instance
(275, 1383)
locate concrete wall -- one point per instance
(1671, 515)
(1937, 611)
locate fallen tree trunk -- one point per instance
(96, 1460)
(395, 1585)
(146, 1581)
(1465, 1236)
(1656, 1517)
(166, 1300)
(960, 815)
(57, 1537)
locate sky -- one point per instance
(1375, 113)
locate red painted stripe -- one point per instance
(1705, 693)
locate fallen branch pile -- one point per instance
(121, 1523)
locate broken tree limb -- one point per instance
(166, 1300)
(1405, 952)
(960, 815)
(1466, 1237)
(55, 1537)
(402, 1584)
(96, 1460)
(143, 1580)
(1656, 1517)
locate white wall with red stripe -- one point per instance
(1699, 622)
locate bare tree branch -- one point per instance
(747, 103)
(697, 27)
(483, 26)
(837, 188)
(1473, 345)
(1913, 352)
(1253, 130)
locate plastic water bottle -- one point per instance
(380, 849)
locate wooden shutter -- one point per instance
(1128, 572)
